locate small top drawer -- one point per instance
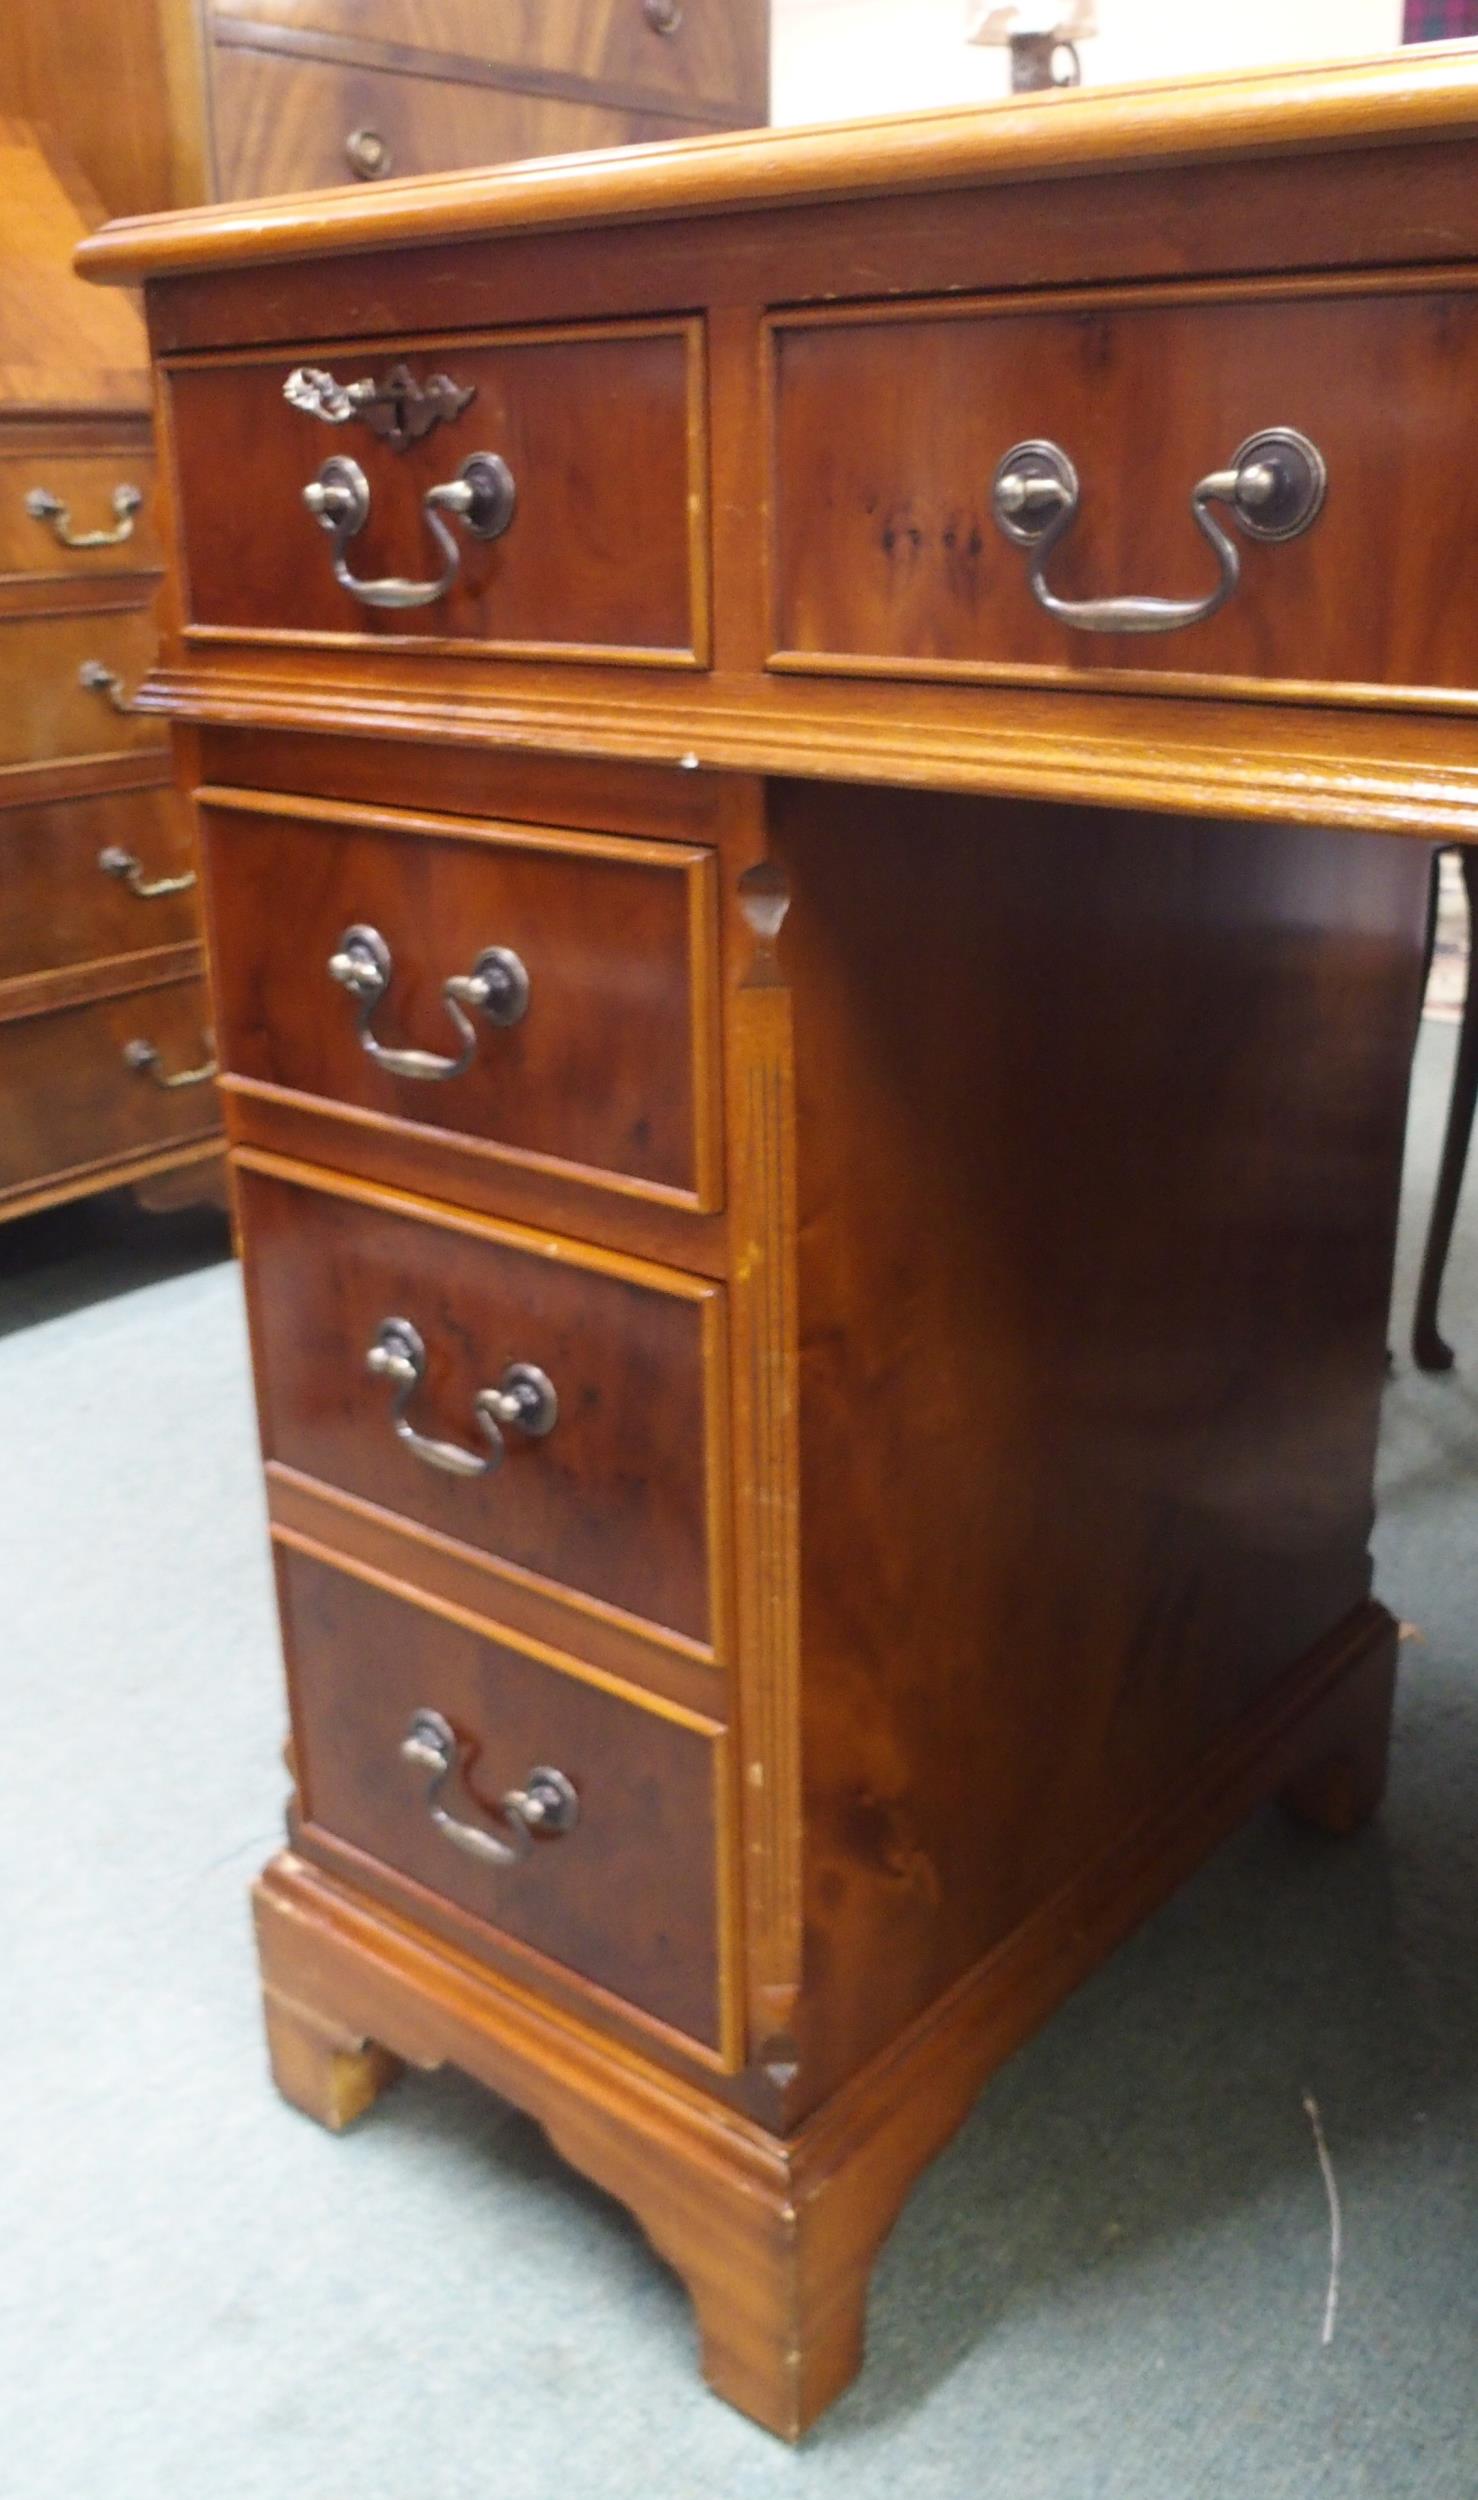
(348, 941)
(1156, 523)
(77, 512)
(528, 492)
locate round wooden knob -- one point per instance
(368, 152)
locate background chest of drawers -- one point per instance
(816, 1020)
(104, 1024)
(166, 102)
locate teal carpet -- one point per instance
(1111, 2287)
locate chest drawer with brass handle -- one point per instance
(49, 709)
(91, 877)
(74, 1095)
(530, 1801)
(557, 1409)
(1043, 490)
(62, 511)
(533, 995)
(557, 481)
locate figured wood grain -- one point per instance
(612, 1069)
(1395, 205)
(286, 122)
(714, 57)
(1301, 112)
(490, 1589)
(1384, 766)
(107, 976)
(125, 88)
(602, 553)
(406, 1155)
(618, 1501)
(628, 1899)
(589, 794)
(1095, 1302)
(60, 348)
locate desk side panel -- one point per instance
(1099, 1126)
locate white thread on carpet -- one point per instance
(1336, 2219)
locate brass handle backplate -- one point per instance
(544, 1808)
(1273, 488)
(143, 1057)
(482, 496)
(46, 507)
(116, 862)
(497, 989)
(524, 1400)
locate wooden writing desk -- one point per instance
(816, 846)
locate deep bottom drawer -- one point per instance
(629, 1898)
(75, 1092)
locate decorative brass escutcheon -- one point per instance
(398, 410)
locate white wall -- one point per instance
(834, 59)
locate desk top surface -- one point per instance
(1425, 95)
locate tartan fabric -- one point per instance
(1439, 21)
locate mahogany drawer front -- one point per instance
(73, 1095)
(613, 1499)
(82, 494)
(611, 1069)
(693, 52)
(87, 879)
(889, 426)
(600, 428)
(301, 124)
(48, 710)
(630, 1898)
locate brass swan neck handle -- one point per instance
(1273, 488)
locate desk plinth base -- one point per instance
(775, 2237)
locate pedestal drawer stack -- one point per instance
(105, 1050)
(473, 1072)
